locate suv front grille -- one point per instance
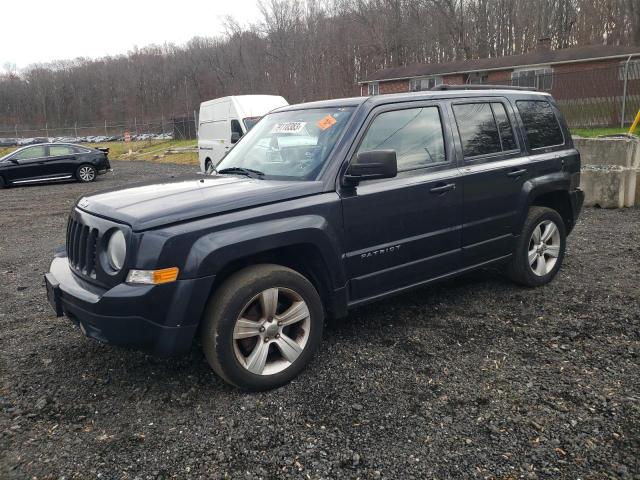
(82, 244)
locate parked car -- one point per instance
(8, 142)
(48, 162)
(394, 192)
(223, 121)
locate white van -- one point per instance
(224, 120)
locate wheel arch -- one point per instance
(304, 244)
(550, 191)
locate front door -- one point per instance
(405, 230)
(495, 169)
(29, 164)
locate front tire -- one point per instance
(262, 327)
(86, 173)
(2, 183)
(540, 249)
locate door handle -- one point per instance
(443, 188)
(517, 173)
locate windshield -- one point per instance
(288, 145)
(249, 122)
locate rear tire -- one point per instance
(262, 327)
(540, 249)
(86, 173)
(208, 166)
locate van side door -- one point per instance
(494, 171)
(402, 231)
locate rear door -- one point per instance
(494, 171)
(405, 230)
(61, 160)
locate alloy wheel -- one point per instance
(544, 248)
(271, 331)
(87, 174)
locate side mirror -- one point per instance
(235, 136)
(371, 165)
(14, 161)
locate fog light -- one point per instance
(153, 277)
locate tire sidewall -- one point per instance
(221, 316)
(531, 277)
(79, 178)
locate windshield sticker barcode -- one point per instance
(288, 127)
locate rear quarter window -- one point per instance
(540, 123)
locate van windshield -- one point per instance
(288, 145)
(249, 122)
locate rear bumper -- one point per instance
(576, 197)
(160, 319)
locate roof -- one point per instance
(544, 57)
(333, 103)
(376, 100)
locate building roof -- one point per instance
(538, 57)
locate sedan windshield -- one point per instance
(287, 145)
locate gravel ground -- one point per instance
(472, 378)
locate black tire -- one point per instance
(519, 268)
(2, 183)
(229, 302)
(85, 167)
(208, 166)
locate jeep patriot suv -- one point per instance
(319, 208)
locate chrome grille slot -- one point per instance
(82, 243)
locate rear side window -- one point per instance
(415, 134)
(56, 150)
(540, 123)
(484, 128)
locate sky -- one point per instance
(42, 31)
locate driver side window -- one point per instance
(415, 134)
(30, 153)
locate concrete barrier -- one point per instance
(610, 170)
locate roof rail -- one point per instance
(445, 86)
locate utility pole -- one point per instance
(105, 128)
(75, 127)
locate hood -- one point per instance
(153, 204)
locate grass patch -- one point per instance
(595, 132)
(152, 151)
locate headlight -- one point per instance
(117, 250)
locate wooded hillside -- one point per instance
(303, 50)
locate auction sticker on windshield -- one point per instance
(326, 122)
(288, 127)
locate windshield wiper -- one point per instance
(249, 172)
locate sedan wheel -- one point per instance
(86, 173)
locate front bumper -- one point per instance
(160, 319)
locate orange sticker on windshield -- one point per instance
(326, 122)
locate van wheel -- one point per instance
(86, 173)
(540, 249)
(208, 166)
(262, 327)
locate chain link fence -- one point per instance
(179, 128)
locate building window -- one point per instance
(477, 78)
(420, 84)
(374, 88)
(540, 78)
(633, 70)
